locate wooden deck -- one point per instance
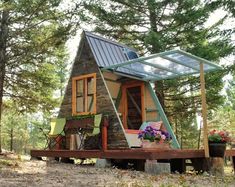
(177, 158)
(126, 154)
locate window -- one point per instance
(130, 54)
(84, 94)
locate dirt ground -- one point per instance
(15, 171)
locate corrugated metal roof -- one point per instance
(107, 52)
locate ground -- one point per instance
(15, 171)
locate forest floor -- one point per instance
(18, 171)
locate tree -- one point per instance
(154, 26)
(22, 132)
(32, 32)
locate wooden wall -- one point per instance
(150, 108)
(84, 64)
(113, 84)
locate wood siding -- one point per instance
(150, 108)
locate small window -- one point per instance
(84, 94)
(130, 54)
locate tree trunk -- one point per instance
(152, 15)
(3, 59)
(11, 143)
(176, 128)
(181, 136)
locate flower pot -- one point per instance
(217, 149)
(154, 145)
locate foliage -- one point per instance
(35, 44)
(219, 136)
(32, 52)
(153, 134)
(22, 132)
(224, 116)
(77, 117)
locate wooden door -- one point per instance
(133, 105)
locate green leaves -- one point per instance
(35, 48)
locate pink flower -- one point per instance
(163, 137)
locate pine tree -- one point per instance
(32, 40)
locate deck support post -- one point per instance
(201, 164)
(105, 134)
(155, 167)
(217, 166)
(204, 110)
(233, 163)
(178, 165)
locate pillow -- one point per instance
(155, 124)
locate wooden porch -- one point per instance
(176, 158)
(138, 153)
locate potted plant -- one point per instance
(217, 142)
(154, 138)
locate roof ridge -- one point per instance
(88, 33)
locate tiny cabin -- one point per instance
(112, 86)
(110, 78)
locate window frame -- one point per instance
(85, 93)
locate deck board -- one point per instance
(126, 154)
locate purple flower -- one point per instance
(152, 134)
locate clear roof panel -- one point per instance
(166, 65)
(145, 71)
(188, 61)
(172, 66)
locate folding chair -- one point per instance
(95, 134)
(56, 134)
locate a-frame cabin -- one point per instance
(111, 79)
(124, 96)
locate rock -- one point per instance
(154, 167)
(102, 163)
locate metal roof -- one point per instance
(119, 58)
(107, 52)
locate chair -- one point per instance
(56, 134)
(93, 140)
(97, 122)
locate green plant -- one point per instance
(78, 117)
(219, 136)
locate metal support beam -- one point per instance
(163, 115)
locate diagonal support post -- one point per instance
(163, 115)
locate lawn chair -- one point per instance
(93, 140)
(56, 134)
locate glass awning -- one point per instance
(165, 65)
